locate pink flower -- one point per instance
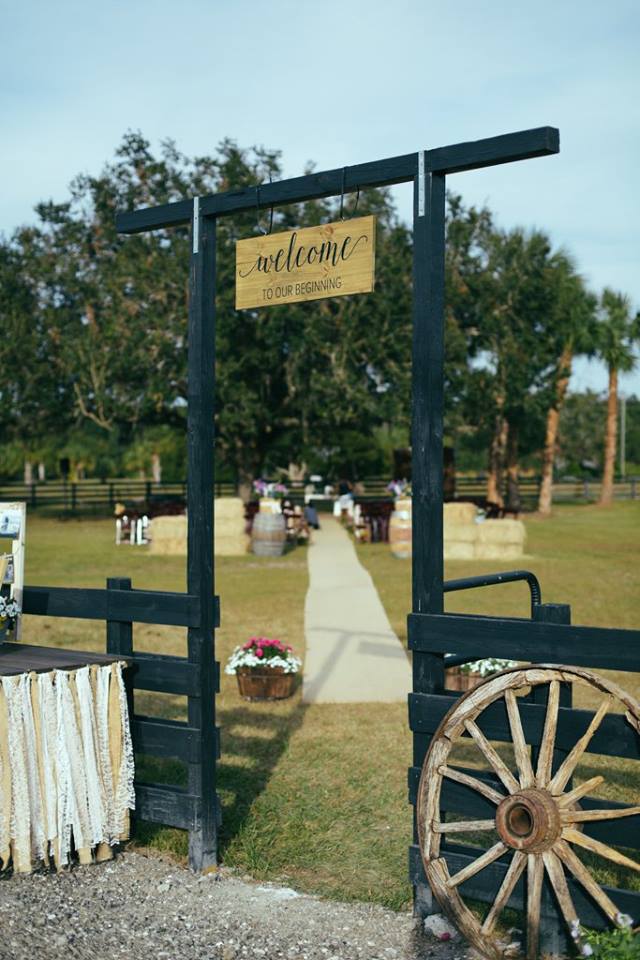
(259, 652)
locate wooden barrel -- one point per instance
(268, 534)
(400, 529)
(269, 505)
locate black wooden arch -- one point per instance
(547, 637)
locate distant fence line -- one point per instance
(93, 494)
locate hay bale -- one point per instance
(502, 531)
(460, 540)
(500, 540)
(460, 512)
(464, 532)
(459, 550)
(229, 523)
(169, 536)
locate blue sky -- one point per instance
(337, 83)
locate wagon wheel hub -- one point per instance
(529, 820)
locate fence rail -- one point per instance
(81, 495)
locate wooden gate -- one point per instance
(548, 636)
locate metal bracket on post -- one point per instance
(196, 225)
(421, 185)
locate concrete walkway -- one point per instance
(353, 655)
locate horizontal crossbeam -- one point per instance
(477, 637)
(138, 606)
(165, 674)
(455, 158)
(615, 736)
(165, 803)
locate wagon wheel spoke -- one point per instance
(555, 870)
(521, 750)
(584, 816)
(453, 774)
(498, 765)
(513, 874)
(580, 872)
(567, 799)
(490, 856)
(545, 757)
(535, 876)
(596, 846)
(464, 826)
(568, 765)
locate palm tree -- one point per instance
(574, 323)
(618, 334)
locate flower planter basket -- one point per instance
(272, 683)
(456, 680)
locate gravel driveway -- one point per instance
(143, 908)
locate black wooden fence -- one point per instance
(121, 607)
(103, 495)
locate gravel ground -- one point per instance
(143, 908)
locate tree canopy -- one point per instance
(94, 345)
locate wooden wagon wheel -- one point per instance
(537, 817)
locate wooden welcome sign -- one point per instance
(332, 260)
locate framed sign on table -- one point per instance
(13, 518)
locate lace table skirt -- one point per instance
(66, 766)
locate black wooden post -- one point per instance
(426, 440)
(119, 633)
(120, 643)
(553, 930)
(201, 358)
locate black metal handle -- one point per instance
(489, 580)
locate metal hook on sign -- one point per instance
(259, 225)
(353, 212)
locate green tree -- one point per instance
(618, 335)
(573, 331)
(34, 405)
(517, 338)
(109, 314)
(581, 432)
(468, 236)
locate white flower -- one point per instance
(586, 950)
(624, 920)
(8, 608)
(247, 658)
(487, 666)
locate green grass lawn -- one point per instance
(315, 796)
(586, 556)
